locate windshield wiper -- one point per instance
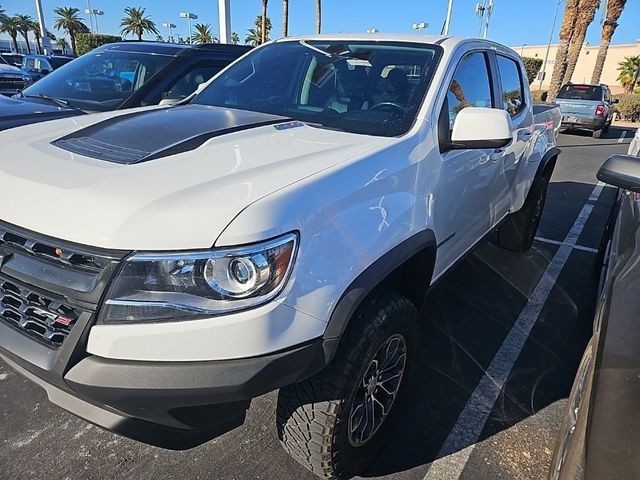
(56, 101)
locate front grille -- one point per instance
(71, 257)
(12, 83)
(42, 317)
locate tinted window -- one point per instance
(373, 88)
(28, 63)
(581, 92)
(470, 86)
(188, 82)
(100, 81)
(512, 88)
(57, 62)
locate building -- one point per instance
(586, 62)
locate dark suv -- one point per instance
(38, 66)
(118, 76)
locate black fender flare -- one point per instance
(551, 156)
(420, 247)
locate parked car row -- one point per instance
(272, 219)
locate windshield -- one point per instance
(373, 88)
(99, 81)
(581, 92)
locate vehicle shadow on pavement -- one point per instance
(465, 320)
(615, 133)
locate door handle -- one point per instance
(497, 154)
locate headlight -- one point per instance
(166, 287)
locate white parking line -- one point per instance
(577, 247)
(459, 445)
(624, 134)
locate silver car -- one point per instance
(588, 107)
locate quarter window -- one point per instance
(470, 86)
(512, 88)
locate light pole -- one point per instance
(420, 26)
(447, 20)
(190, 16)
(46, 44)
(94, 12)
(483, 12)
(546, 56)
(522, 49)
(170, 26)
(224, 20)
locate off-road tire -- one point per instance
(518, 230)
(313, 415)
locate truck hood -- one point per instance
(10, 69)
(157, 179)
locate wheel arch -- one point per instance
(548, 163)
(397, 270)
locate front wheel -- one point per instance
(518, 230)
(334, 423)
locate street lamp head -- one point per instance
(372, 30)
(420, 26)
(169, 25)
(189, 15)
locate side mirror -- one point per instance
(621, 171)
(477, 127)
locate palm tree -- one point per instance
(566, 32)
(63, 44)
(614, 10)
(318, 15)
(235, 38)
(263, 24)
(254, 35)
(137, 23)
(69, 21)
(3, 15)
(629, 69)
(586, 14)
(9, 25)
(25, 23)
(285, 18)
(35, 28)
(203, 34)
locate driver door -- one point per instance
(463, 206)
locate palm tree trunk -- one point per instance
(614, 10)
(318, 16)
(566, 31)
(263, 22)
(586, 14)
(14, 39)
(285, 18)
(26, 39)
(72, 36)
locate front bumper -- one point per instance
(175, 405)
(49, 296)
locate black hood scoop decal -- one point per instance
(149, 135)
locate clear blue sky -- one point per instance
(514, 22)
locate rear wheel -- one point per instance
(519, 229)
(335, 422)
(597, 133)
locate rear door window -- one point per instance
(513, 99)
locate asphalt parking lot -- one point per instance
(502, 335)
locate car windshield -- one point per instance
(581, 92)
(372, 88)
(99, 81)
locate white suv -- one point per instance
(163, 266)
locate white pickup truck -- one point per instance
(162, 267)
